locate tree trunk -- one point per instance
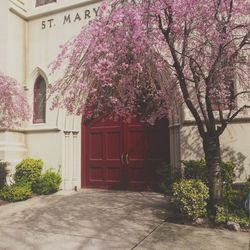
(211, 146)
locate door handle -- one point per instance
(122, 159)
(127, 161)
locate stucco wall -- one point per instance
(16, 48)
(29, 41)
(3, 35)
(12, 147)
(12, 62)
(46, 32)
(234, 146)
(46, 146)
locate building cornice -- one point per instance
(32, 130)
(32, 15)
(235, 121)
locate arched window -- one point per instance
(39, 111)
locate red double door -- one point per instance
(119, 155)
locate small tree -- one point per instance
(14, 107)
(143, 57)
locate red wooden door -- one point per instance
(147, 147)
(120, 155)
(104, 146)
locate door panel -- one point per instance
(136, 149)
(103, 150)
(123, 155)
(96, 146)
(113, 145)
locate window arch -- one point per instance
(39, 111)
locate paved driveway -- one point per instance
(98, 219)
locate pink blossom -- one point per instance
(144, 58)
(14, 107)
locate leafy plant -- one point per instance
(48, 183)
(223, 215)
(228, 173)
(16, 192)
(190, 198)
(28, 171)
(3, 173)
(233, 199)
(167, 177)
(196, 169)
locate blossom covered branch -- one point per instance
(14, 108)
(142, 58)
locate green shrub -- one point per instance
(3, 173)
(16, 192)
(246, 188)
(167, 177)
(196, 169)
(228, 175)
(223, 216)
(233, 199)
(28, 171)
(48, 183)
(190, 198)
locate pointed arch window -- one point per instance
(39, 111)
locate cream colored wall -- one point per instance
(12, 62)
(12, 147)
(235, 146)
(45, 146)
(16, 48)
(43, 43)
(12, 41)
(3, 34)
(26, 50)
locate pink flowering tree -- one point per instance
(144, 58)
(14, 108)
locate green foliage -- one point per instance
(48, 183)
(190, 198)
(196, 169)
(233, 205)
(28, 171)
(233, 199)
(3, 173)
(28, 177)
(228, 175)
(223, 215)
(168, 177)
(16, 192)
(246, 188)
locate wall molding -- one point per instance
(45, 13)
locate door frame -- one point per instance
(83, 154)
(84, 168)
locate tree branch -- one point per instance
(237, 112)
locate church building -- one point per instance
(102, 153)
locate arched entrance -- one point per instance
(123, 155)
